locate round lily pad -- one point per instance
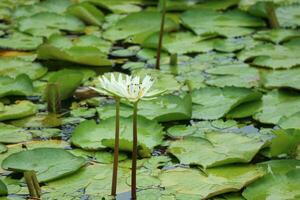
(3, 148)
(49, 163)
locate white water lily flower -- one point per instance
(131, 88)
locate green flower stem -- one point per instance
(32, 184)
(174, 59)
(134, 152)
(272, 17)
(116, 149)
(53, 98)
(161, 34)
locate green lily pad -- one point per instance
(281, 182)
(20, 86)
(119, 6)
(94, 179)
(20, 41)
(229, 24)
(276, 105)
(216, 149)
(238, 75)
(246, 4)
(3, 148)
(272, 56)
(87, 12)
(137, 27)
(162, 81)
(47, 23)
(288, 16)
(180, 43)
(283, 78)
(214, 103)
(13, 67)
(19, 110)
(49, 163)
(276, 35)
(283, 144)
(291, 122)
(66, 89)
(167, 108)
(11, 134)
(195, 184)
(88, 49)
(53, 6)
(245, 110)
(90, 136)
(3, 189)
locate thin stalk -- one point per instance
(272, 17)
(30, 185)
(116, 149)
(36, 183)
(173, 59)
(134, 152)
(53, 98)
(161, 34)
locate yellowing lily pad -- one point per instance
(19, 110)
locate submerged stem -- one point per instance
(161, 34)
(116, 149)
(134, 152)
(272, 17)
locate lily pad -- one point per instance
(216, 149)
(3, 148)
(119, 6)
(19, 110)
(89, 50)
(282, 182)
(283, 78)
(90, 136)
(3, 189)
(49, 163)
(20, 86)
(288, 16)
(276, 35)
(291, 122)
(272, 56)
(238, 75)
(11, 134)
(41, 120)
(47, 23)
(214, 103)
(229, 24)
(87, 12)
(276, 105)
(192, 182)
(137, 26)
(66, 89)
(13, 67)
(20, 41)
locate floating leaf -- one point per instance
(3, 189)
(137, 26)
(41, 120)
(283, 78)
(20, 86)
(272, 56)
(195, 184)
(281, 182)
(216, 149)
(19, 110)
(3, 148)
(119, 6)
(238, 75)
(20, 41)
(245, 110)
(229, 24)
(12, 134)
(13, 67)
(89, 50)
(48, 163)
(291, 122)
(278, 104)
(87, 12)
(276, 35)
(214, 103)
(47, 23)
(288, 16)
(90, 136)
